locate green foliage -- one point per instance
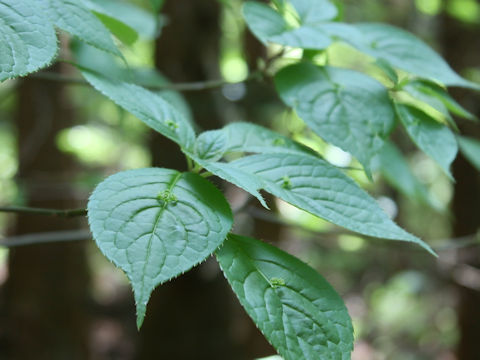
(149, 107)
(155, 224)
(346, 108)
(403, 51)
(28, 43)
(314, 185)
(435, 139)
(79, 21)
(297, 26)
(295, 308)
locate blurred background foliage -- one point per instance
(404, 304)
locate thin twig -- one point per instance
(45, 237)
(42, 211)
(188, 86)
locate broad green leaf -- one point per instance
(346, 108)
(296, 309)
(149, 107)
(122, 31)
(73, 17)
(470, 148)
(318, 187)
(436, 96)
(270, 25)
(156, 224)
(250, 138)
(244, 180)
(27, 40)
(402, 50)
(433, 138)
(396, 171)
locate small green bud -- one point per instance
(287, 184)
(276, 282)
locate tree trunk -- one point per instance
(458, 41)
(47, 289)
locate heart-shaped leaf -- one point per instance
(156, 224)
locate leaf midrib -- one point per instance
(170, 186)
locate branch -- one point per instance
(189, 86)
(45, 237)
(41, 211)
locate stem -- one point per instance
(189, 163)
(45, 237)
(189, 86)
(206, 174)
(41, 211)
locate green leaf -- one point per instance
(74, 18)
(211, 145)
(344, 107)
(433, 138)
(244, 180)
(156, 224)
(318, 187)
(250, 138)
(470, 148)
(437, 97)
(149, 107)
(388, 70)
(402, 50)
(396, 171)
(270, 26)
(419, 96)
(27, 40)
(142, 21)
(296, 309)
(122, 31)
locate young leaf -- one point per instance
(296, 309)
(417, 96)
(244, 180)
(314, 185)
(271, 26)
(433, 138)
(251, 138)
(405, 51)
(156, 224)
(140, 20)
(344, 107)
(79, 21)
(122, 31)
(149, 107)
(470, 148)
(27, 40)
(435, 95)
(211, 145)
